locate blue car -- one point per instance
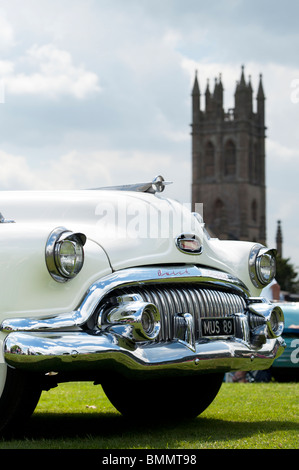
(286, 367)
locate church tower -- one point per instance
(228, 161)
(279, 239)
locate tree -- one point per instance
(286, 275)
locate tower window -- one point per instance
(209, 159)
(256, 163)
(219, 218)
(254, 210)
(230, 160)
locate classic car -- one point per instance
(124, 287)
(286, 366)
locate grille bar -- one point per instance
(184, 299)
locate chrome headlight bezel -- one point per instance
(56, 261)
(131, 317)
(262, 265)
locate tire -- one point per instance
(167, 398)
(288, 374)
(19, 395)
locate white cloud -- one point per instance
(7, 37)
(94, 169)
(77, 170)
(53, 74)
(16, 173)
(6, 68)
(281, 153)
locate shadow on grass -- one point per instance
(112, 431)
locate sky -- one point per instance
(98, 92)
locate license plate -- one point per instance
(217, 326)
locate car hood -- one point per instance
(133, 228)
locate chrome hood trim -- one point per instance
(3, 220)
(157, 185)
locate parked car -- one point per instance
(125, 288)
(286, 367)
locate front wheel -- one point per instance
(165, 398)
(19, 395)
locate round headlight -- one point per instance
(275, 322)
(265, 264)
(262, 265)
(64, 254)
(69, 257)
(148, 321)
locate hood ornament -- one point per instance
(157, 185)
(5, 221)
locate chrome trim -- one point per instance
(5, 221)
(125, 278)
(266, 320)
(187, 331)
(254, 264)
(189, 237)
(157, 185)
(125, 316)
(58, 352)
(57, 235)
(195, 299)
(121, 343)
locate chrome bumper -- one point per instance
(46, 352)
(58, 344)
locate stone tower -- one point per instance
(228, 161)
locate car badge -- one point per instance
(189, 243)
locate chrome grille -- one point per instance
(199, 302)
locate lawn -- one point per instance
(243, 416)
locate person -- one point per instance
(271, 291)
(240, 376)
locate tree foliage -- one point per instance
(286, 275)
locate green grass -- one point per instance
(243, 416)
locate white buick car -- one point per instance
(125, 288)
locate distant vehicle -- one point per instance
(286, 367)
(125, 288)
